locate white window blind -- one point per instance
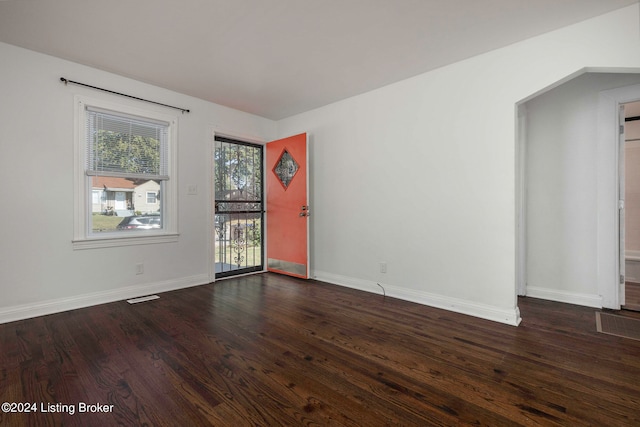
(126, 146)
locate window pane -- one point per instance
(125, 204)
(238, 171)
(125, 145)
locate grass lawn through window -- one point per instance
(104, 222)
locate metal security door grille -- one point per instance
(239, 207)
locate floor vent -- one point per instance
(620, 326)
(142, 299)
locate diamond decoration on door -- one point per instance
(286, 168)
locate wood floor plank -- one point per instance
(632, 296)
(271, 350)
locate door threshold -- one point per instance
(251, 273)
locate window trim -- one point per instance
(83, 238)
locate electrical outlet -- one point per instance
(140, 268)
(192, 190)
(383, 267)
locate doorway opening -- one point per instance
(630, 186)
(239, 207)
(569, 247)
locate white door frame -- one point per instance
(521, 201)
(621, 205)
(608, 181)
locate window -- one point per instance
(123, 151)
(96, 196)
(152, 198)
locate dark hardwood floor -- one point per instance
(632, 296)
(268, 350)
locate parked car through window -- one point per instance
(141, 222)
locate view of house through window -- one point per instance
(124, 204)
(126, 168)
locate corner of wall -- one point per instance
(470, 308)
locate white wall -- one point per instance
(421, 174)
(39, 270)
(562, 188)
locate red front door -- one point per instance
(288, 206)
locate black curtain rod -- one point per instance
(65, 81)
(632, 119)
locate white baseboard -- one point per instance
(587, 300)
(27, 311)
(633, 256)
(483, 311)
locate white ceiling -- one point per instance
(276, 58)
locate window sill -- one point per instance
(111, 241)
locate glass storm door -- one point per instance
(288, 206)
(239, 207)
